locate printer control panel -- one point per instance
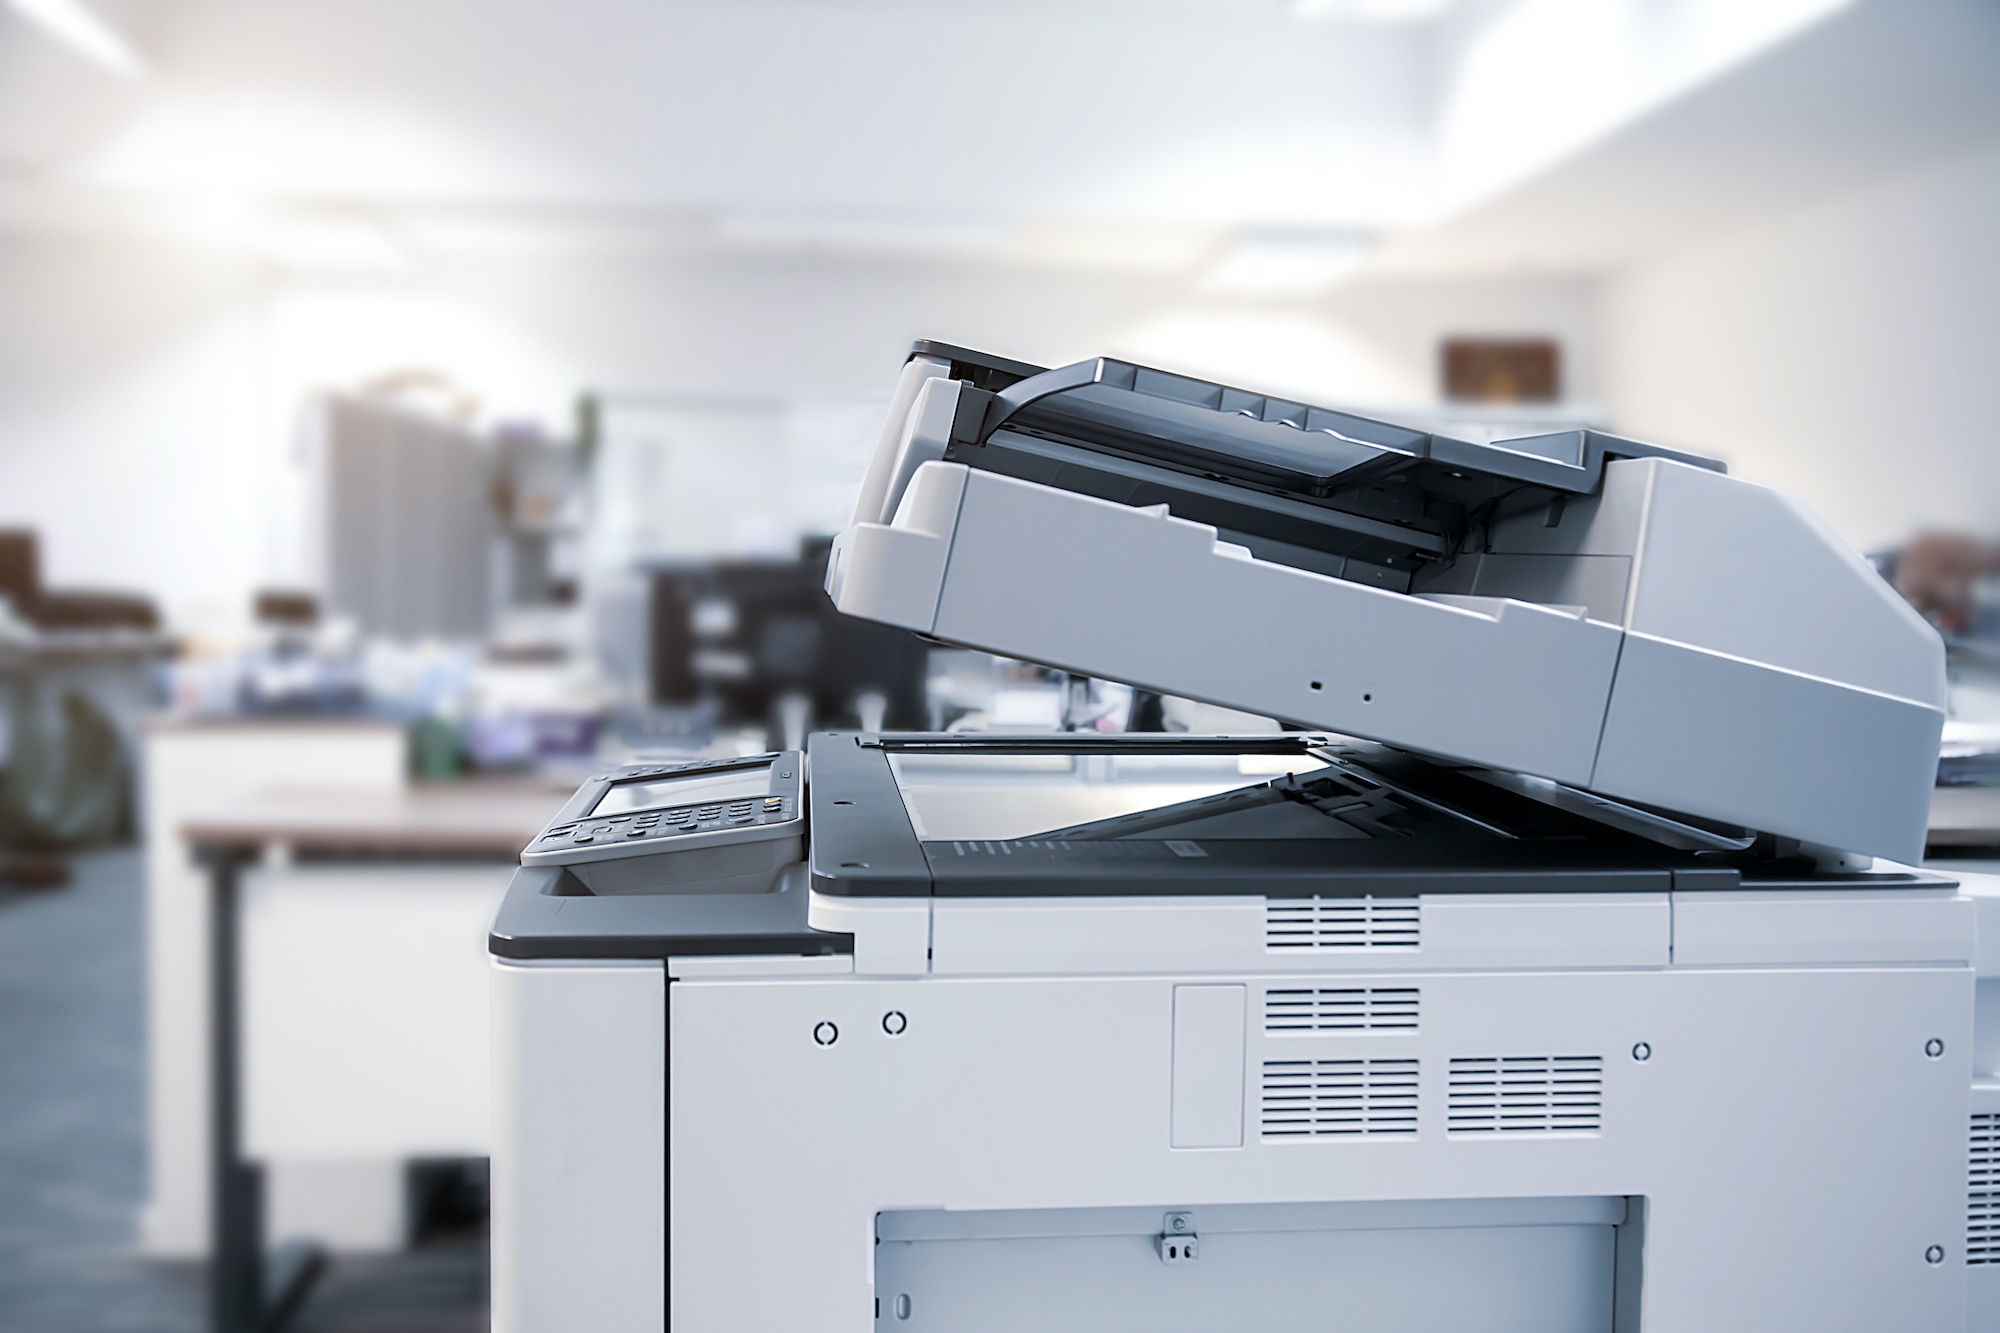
(670, 823)
(657, 808)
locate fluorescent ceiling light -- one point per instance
(84, 33)
(1373, 11)
(1287, 263)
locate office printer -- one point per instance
(1554, 970)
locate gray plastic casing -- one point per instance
(1673, 637)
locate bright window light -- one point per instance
(1284, 264)
(84, 33)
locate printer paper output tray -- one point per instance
(1603, 614)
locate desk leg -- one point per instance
(238, 1299)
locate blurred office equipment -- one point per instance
(757, 643)
(77, 675)
(1953, 579)
(408, 525)
(679, 480)
(536, 497)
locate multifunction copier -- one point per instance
(1553, 962)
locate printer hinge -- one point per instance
(1177, 1242)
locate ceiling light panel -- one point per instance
(83, 32)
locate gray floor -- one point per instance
(72, 1157)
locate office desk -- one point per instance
(191, 769)
(347, 994)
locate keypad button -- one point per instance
(582, 835)
(636, 832)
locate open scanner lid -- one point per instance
(1258, 466)
(1676, 688)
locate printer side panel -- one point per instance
(1714, 735)
(1736, 568)
(579, 1152)
(1800, 1155)
(1139, 596)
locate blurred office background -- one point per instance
(406, 408)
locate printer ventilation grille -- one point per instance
(1340, 1009)
(1341, 923)
(1525, 1094)
(1312, 1098)
(1982, 1196)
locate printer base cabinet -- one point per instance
(788, 1147)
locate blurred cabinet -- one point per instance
(209, 768)
(409, 524)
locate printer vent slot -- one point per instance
(1525, 1094)
(1306, 1009)
(1338, 1098)
(1341, 923)
(1982, 1194)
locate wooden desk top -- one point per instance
(472, 817)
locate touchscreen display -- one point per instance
(730, 784)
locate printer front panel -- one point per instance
(1748, 1147)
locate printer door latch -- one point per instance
(1177, 1242)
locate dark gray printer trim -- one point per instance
(547, 914)
(864, 845)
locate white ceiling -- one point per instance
(1115, 134)
(1877, 88)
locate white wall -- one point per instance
(149, 394)
(1848, 351)
(130, 426)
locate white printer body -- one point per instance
(1548, 983)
